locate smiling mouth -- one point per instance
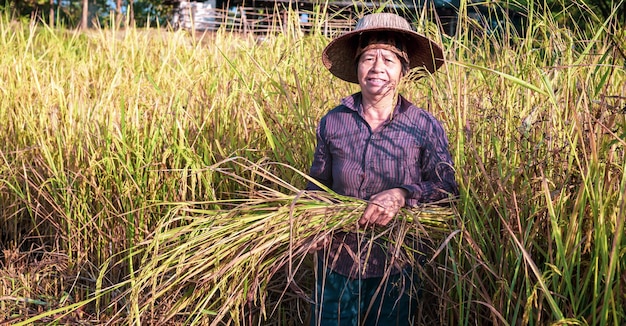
(377, 80)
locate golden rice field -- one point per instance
(155, 177)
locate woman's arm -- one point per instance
(321, 168)
(437, 171)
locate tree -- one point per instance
(51, 14)
(84, 18)
(575, 13)
(118, 11)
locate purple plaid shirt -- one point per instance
(410, 152)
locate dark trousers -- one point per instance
(340, 300)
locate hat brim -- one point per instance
(339, 54)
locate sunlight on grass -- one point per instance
(124, 197)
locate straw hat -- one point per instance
(340, 54)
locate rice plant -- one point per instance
(141, 169)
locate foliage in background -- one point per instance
(104, 133)
(573, 14)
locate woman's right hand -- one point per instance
(383, 207)
(319, 244)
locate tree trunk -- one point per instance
(51, 14)
(83, 21)
(118, 13)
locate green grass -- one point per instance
(107, 135)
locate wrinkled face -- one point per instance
(379, 72)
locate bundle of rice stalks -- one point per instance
(208, 265)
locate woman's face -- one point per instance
(379, 71)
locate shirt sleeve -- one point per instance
(437, 171)
(321, 168)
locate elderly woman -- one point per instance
(377, 146)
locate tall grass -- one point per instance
(106, 134)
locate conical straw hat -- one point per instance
(339, 54)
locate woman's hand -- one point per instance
(383, 207)
(319, 244)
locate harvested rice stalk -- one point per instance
(212, 263)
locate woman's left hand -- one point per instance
(383, 207)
